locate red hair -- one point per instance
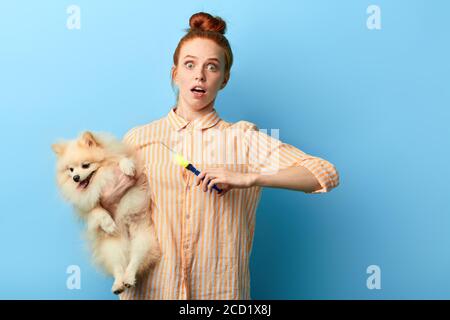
(205, 26)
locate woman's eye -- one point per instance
(85, 165)
(212, 67)
(189, 65)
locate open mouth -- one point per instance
(84, 184)
(198, 91)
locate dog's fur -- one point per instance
(123, 242)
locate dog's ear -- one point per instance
(88, 139)
(59, 148)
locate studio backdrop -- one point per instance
(362, 84)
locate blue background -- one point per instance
(375, 103)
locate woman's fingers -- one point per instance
(206, 181)
(202, 180)
(114, 191)
(210, 177)
(213, 182)
(199, 178)
(224, 189)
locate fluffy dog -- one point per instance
(123, 242)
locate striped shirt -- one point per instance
(206, 240)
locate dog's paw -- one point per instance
(118, 287)
(108, 225)
(127, 166)
(129, 281)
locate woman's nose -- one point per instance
(200, 75)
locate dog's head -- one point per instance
(78, 161)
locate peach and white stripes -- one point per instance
(207, 240)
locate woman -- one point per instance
(206, 236)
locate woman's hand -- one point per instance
(113, 192)
(224, 179)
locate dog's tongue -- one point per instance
(84, 183)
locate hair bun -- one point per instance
(206, 22)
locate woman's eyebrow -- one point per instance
(194, 57)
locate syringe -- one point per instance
(179, 159)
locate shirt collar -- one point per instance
(206, 121)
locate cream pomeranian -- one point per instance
(123, 242)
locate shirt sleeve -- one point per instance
(143, 180)
(129, 138)
(267, 155)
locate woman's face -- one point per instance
(200, 73)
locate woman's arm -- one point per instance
(113, 192)
(295, 178)
(281, 165)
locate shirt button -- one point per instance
(186, 246)
(187, 216)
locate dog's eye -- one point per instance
(85, 165)
(71, 169)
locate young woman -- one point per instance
(206, 236)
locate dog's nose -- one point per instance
(76, 178)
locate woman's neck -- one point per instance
(190, 114)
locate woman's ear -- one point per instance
(225, 81)
(174, 74)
